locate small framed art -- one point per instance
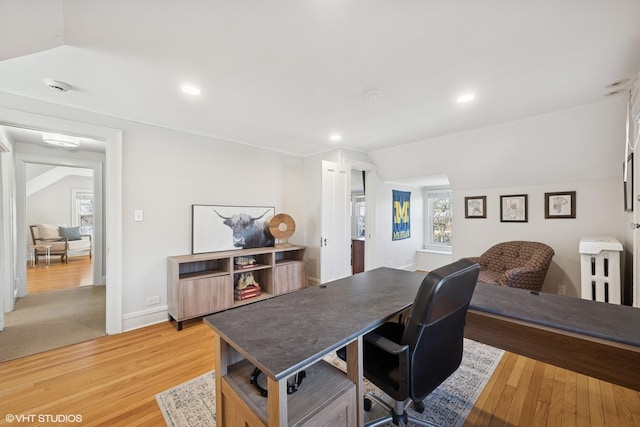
(475, 207)
(560, 205)
(514, 208)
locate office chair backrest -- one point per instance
(435, 328)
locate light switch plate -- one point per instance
(138, 215)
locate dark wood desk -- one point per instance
(593, 338)
(291, 332)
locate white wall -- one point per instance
(52, 205)
(599, 211)
(582, 143)
(399, 253)
(580, 150)
(164, 173)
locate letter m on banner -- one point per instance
(401, 215)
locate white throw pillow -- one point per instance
(48, 231)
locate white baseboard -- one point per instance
(140, 319)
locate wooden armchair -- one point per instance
(518, 264)
(70, 244)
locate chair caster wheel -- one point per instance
(367, 404)
(418, 407)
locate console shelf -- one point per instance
(203, 284)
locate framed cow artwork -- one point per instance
(224, 228)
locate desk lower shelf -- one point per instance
(325, 397)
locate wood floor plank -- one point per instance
(530, 404)
(569, 400)
(525, 367)
(596, 413)
(557, 393)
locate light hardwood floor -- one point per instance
(58, 275)
(113, 381)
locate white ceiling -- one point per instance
(286, 74)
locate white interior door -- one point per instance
(335, 253)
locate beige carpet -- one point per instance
(51, 320)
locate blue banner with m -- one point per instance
(400, 220)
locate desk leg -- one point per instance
(220, 352)
(277, 408)
(355, 374)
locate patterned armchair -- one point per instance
(517, 264)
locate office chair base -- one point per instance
(397, 415)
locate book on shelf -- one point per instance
(248, 291)
(242, 296)
(244, 266)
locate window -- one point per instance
(82, 210)
(438, 208)
(357, 215)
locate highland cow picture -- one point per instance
(224, 228)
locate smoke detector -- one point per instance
(57, 85)
(373, 94)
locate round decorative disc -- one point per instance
(282, 226)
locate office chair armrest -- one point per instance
(386, 344)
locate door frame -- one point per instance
(370, 210)
(21, 160)
(112, 202)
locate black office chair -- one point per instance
(408, 361)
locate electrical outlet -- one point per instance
(152, 300)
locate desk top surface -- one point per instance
(611, 322)
(283, 334)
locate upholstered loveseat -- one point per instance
(518, 264)
(62, 241)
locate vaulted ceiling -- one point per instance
(289, 74)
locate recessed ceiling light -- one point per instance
(191, 90)
(465, 98)
(335, 137)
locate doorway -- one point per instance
(59, 195)
(358, 220)
(108, 247)
(61, 299)
(363, 225)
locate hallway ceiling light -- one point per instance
(191, 90)
(60, 140)
(465, 98)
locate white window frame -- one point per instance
(428, 234)
(76, 195)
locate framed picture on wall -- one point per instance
(475, 207)
(224, 228)
(560, 205)
(628, 184)
(514, 208)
